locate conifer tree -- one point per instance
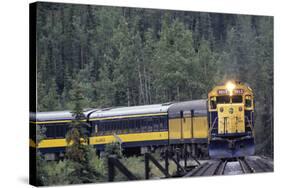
(77, 138)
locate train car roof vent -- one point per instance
(167, 103)
(105, 109)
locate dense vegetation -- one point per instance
(126, 56)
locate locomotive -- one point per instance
(221, 126)
(231, 120)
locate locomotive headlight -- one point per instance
(230, 87)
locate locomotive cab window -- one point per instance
(223, 99)
(237, 99)
(213, 103)
(248, 101)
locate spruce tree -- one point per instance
(76, 136)
(77, 139)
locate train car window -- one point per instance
(161, 124)
(138, 125)
(48, 131)
(213, 103)
(132, 126)
(105, 128)
(248, 101)
(237, 99)
(101, 128)
(144, 125)
(110, 127)
(126, 126)
(156, 124)
(96, 129)
(120, 124)
(51, 131)
(149, 125)
(113, 126)
(165, 123)
(129, 124)
(118, 127)
(122, 127)
(63, 130)
(54, 131)
(60, 131)
(223, 99)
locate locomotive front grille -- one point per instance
(230, 118)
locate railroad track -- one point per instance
(245, 166)
(261, 165)
(232, 167)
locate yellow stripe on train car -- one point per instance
(51, 143)
(134, 137)
(32, 143)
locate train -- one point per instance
(231, 120)
(219, 127)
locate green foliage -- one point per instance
(40, 133)
(135, 165)
(77, 136)
(71, 172)
(57, 173)
(78, 152)
(51, 100)
(113, 149)
(89, 170)
(40, 164)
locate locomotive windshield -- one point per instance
(237, 99)
(225, 100)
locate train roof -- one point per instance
(199, 108)
(55, 115)
(131, 110)
(172, 109)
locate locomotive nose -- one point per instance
(231, 118)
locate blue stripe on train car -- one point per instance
(137, 144)
(52, 150)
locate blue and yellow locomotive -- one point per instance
(231, 121)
